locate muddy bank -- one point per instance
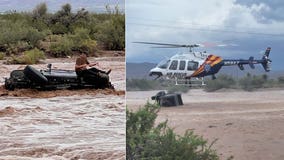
(33, 93)
(88, 156)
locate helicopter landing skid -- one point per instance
(198, 82)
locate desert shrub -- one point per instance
(58, 28)
(281, 79)
(144, 140)
(17, 36)
(80, 34)
(39, 11)
(249, 82)
(82, 41)
(146, 84)
(62, 47)
(11, 34)
(40, 25)
(79, 31)
(88, 46)
(33, 36)
(178, 88)
(141, 84)
(2, 55)
(29, 57)
(223, 81)
(33, 56)
(259, 81)
(111, 32)
(17, 47)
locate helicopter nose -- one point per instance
(155, 73)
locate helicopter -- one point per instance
(183, 68)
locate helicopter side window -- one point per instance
(191, 65)
(173, 65)
(181, 65)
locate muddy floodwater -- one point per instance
(63, 124)
(86, 127)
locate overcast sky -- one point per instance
(251, 25)
(55, 5)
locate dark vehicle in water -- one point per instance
(51, 79)
(168, 99)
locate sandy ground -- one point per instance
(248, 125)
(63, 124)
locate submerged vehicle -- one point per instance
(51, 79)
(167, 99)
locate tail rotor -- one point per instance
(266, 61)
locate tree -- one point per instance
(39, 11)
(63, 19)
(66, 9)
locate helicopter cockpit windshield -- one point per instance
(164, 64)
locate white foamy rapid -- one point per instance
(74, 127)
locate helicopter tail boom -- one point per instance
(265, 61)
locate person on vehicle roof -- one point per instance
(81, 67)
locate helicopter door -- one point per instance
(191, 67)
(172, 68)
(177, 69)
(181, 73)
(173, 65)
(181, 65)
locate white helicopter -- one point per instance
(184, 67)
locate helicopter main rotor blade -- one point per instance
(169, 44)
(167, 47)
(164, 44)
(214, 44)
(204, 44)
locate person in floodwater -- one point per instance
(88, 74)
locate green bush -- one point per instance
(82, 41)
(59, 28)
(144, 140)
(223, 81)
(88, 46)
(141, 84)
(33, 36)
(29, 57)
(178, 88)
(17, 47)
(146, 84)
(39, 11)
(2, 55)
(62, 47)
(76, 32)
(33, 56)
(281, 79)
(112, 32)
(250, 83)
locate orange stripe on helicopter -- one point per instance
(211, 60)
(217, 60)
